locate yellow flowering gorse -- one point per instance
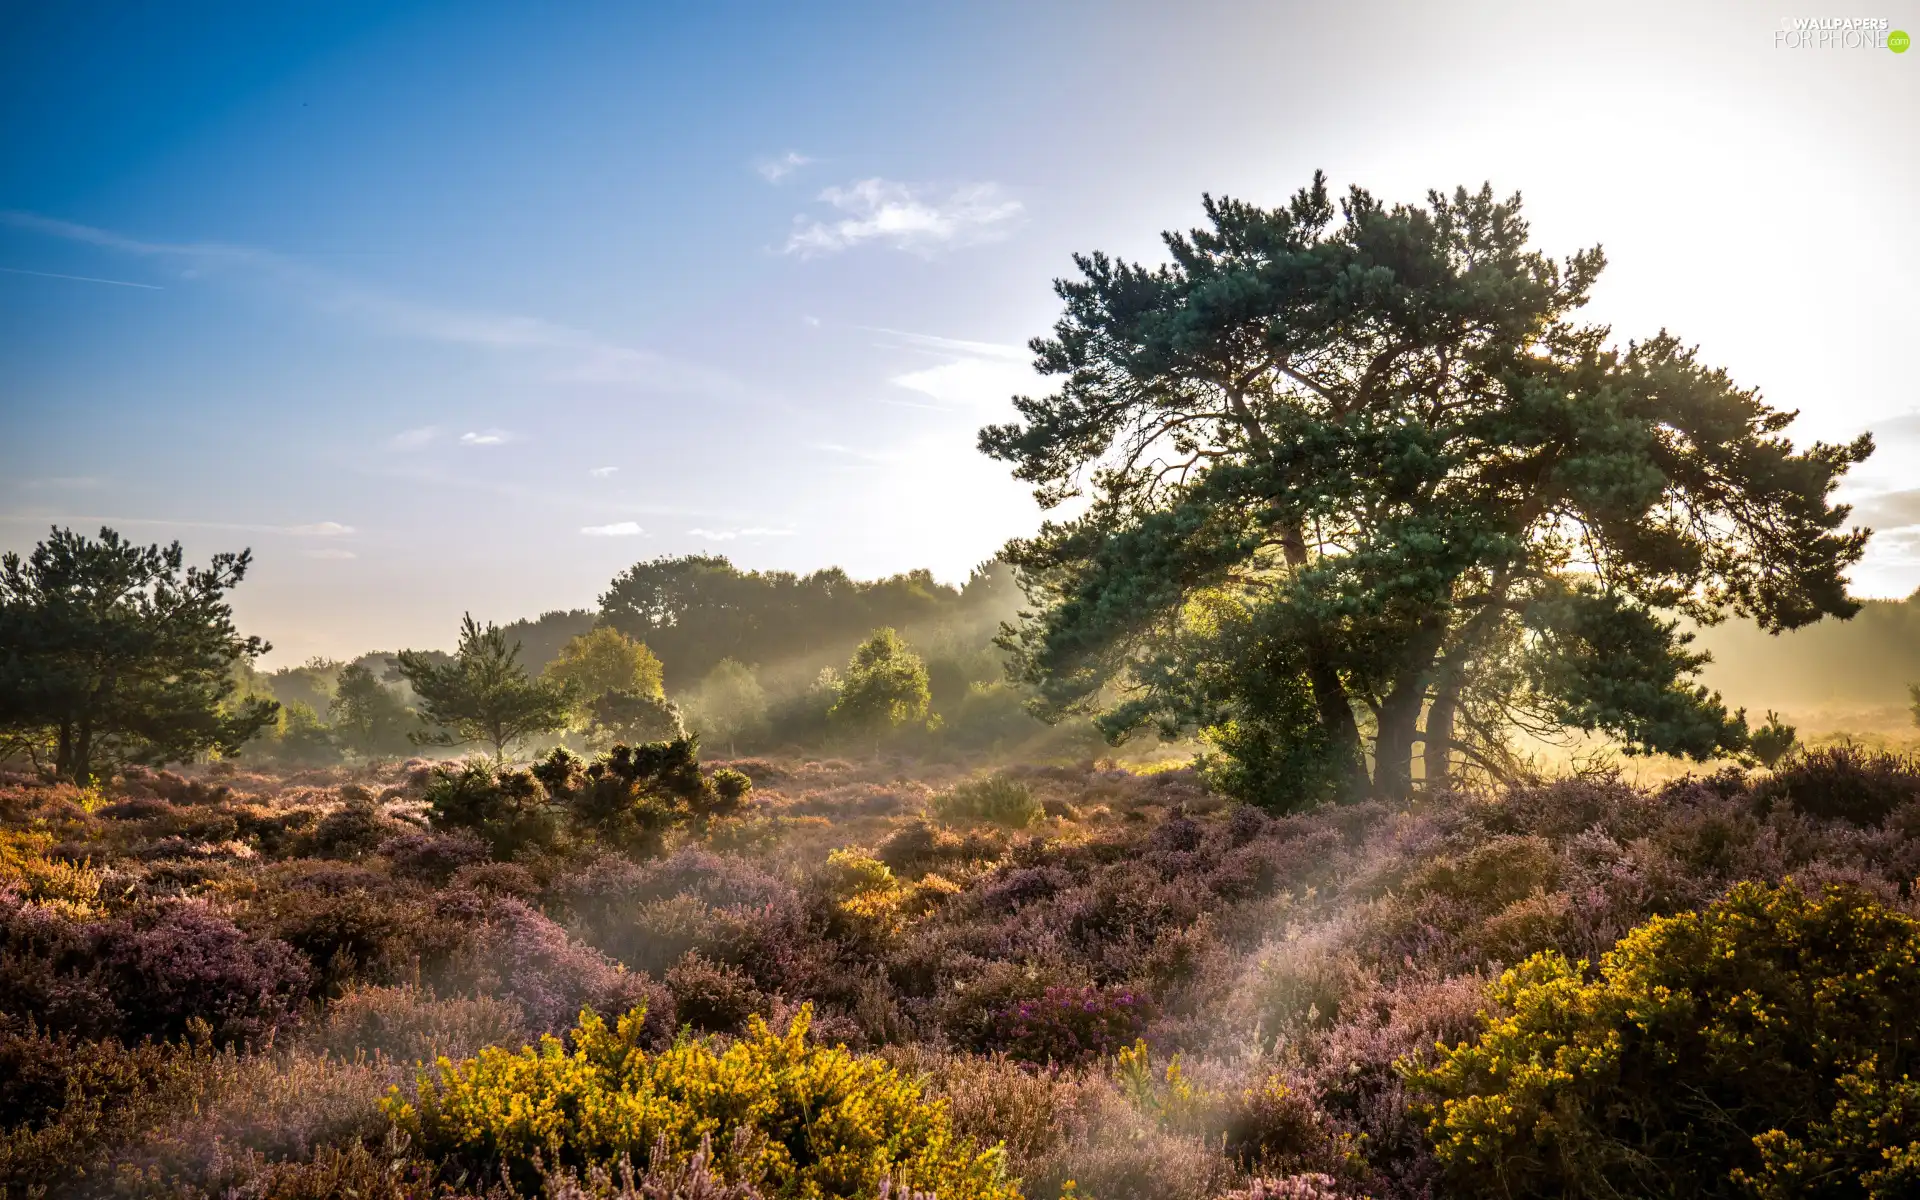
(825, 1122)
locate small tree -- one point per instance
(368, 716)
(112, 653)
(1773, 741)
(484, 694)
(305, 740)
(606, 660)
(885, 686)
(730, 703)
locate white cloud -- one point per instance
(617, 529)
(413, 439)
(602, 472)
(489, 437)
(728, 535)
(320, 529)
(1888, 510)
(906, 216)
(329, 553)
(773, 170)
(972, 376)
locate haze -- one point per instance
(469, 307)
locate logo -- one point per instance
(1840, 33)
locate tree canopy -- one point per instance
(368, 716)
(605, 660)
(885, 685)
(116, 653)
(483, 694)
(693, 611)
(1359, 483)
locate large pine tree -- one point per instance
(1357, 485)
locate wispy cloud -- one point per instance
(970, 376)
(1888, 510)
(331, 552)
(486, 437)
(866, 456)
(617, 529)
(602, 472)
(413, 439)
(579, 356)
(728, 535)
(904, 216)
(773, 170)
(322, 529)
(151, 287)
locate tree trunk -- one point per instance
(1329, 693)
(1437, 743)
(1400, 716)
(1393, 745)
(83, 755)
(63, 756)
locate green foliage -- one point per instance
(1385, 441)
(632, 796)
(1759, 1047)
(698, 610)
(614, 717)
(115, 653)
(1773, 741)
(305, 740)
(729, 703)
(997, 799)
(885, 685)
(508, 809)
(369, 718)
(606, 660)
(483, 695)
(818, 1122)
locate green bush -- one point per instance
(506, 808)
(633, 796)
(1763, 1046)
(824, 1122)
(996, 799)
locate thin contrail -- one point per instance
(152, 287)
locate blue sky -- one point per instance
(449, 307)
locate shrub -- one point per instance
(713, 996)
(1773, 741)
(996, 799)
(184, 964)
(1763, 1045)
(632, 796)
(833, 1123)
(354, 830)
(520, 955)
(415, 1026)
(505, 808)
(1070, 1025)
(433, 857)
(1844, 783)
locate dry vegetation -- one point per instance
(227, 983)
